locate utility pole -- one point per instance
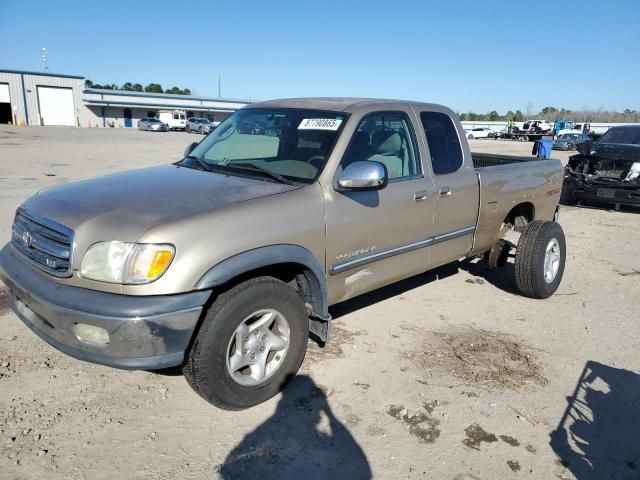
(219, 86)
(44, 59)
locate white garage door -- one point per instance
(56, 106)
(4, 93)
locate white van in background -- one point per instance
(176, 119)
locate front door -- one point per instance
(456, 189)
(127, 118)
(378, 237)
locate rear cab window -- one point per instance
(443, 141)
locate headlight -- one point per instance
(126, 263)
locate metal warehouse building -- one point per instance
(35, 98)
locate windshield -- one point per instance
(627, 135)
(568, 136)
(293, 143)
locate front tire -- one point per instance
(540, 259)
(251, 342)
(470, 137)
(187, 129)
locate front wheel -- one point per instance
(540, 259)
(251, 342)
(187, 129)
(470, 137)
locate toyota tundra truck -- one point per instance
(226, 262)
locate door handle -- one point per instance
(421, 196)
(445, 191)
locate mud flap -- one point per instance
(320, 328)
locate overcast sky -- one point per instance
(478, 55)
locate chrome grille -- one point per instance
(44, 243)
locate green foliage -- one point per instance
(137, 87)
(178, 91)
(153, 88)
(89, 84)
(553, 114)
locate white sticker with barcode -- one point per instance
(320, 124)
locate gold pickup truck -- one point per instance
(227, 261)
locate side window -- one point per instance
(444, 145)
(386, 138)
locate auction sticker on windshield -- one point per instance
(320, 124)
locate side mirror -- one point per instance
(365, 175)
(189, 149)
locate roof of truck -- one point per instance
(342, 104)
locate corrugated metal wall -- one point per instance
(99, 108)
(15, 94)
(23, 90)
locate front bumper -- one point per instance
(607, 193)
(145, 332)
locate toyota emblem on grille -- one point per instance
(27, 239)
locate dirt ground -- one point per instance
(449, 375)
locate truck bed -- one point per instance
(483, 160)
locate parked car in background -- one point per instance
(201, 125)
(152, 125)
(480, 132)
(176, 119)
(606, 171)
(569, 141)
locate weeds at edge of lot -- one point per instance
(481, 358)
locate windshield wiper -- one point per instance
(203, 165)
(266, 171)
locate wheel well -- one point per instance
(525, 209)
(298, 276)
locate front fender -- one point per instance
(267, 256)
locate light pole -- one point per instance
(44, 59)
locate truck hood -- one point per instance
(123, 206)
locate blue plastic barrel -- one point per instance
(542, 148)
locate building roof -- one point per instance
(129, 93)
(44, 74)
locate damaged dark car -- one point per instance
(606, 171)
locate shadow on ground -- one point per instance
(598, 436)
(503, 278)
(302, 440)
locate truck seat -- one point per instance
(387, 145)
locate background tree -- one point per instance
(153, 88)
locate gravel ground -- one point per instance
(441, 376)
